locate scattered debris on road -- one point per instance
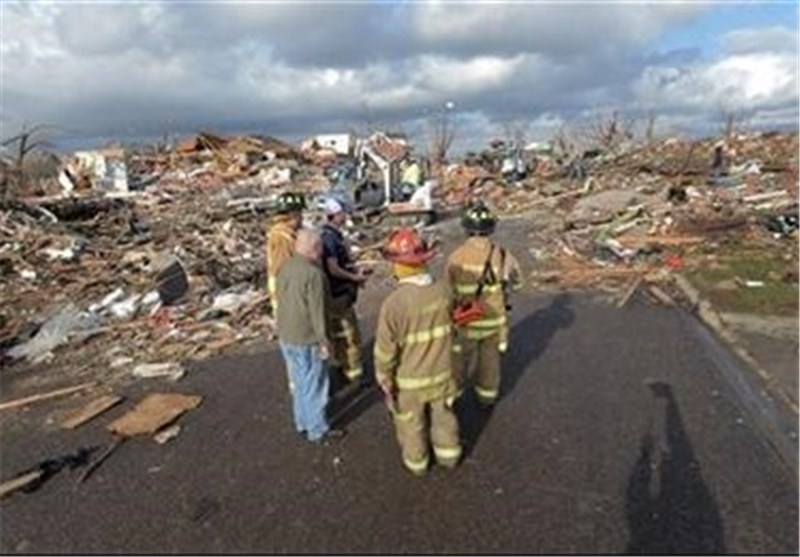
(20, 482)
(153, 413)
(133, 262)
(11, 404)
(167, 434)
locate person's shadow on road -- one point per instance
(529, 339)
(669, 507)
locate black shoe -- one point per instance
(331, 436)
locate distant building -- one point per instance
(339, 143)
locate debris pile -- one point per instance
(643, 213)
(153, 256)
(167, 268)
(636, 214)
(149, 257)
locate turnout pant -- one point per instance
(346, 338)
(420, 423)
(482, 357)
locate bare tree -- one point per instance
(728, 123)
(516, 131)
(26, 141)
(564, 141)
(442, 134)
(608, 130)
(650, 130)
(732, 120)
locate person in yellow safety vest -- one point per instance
(478, 260)
(414, 357)
(411, 180)
(281, 239)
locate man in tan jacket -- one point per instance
(281, 239)
(479, 260)
(414, 357)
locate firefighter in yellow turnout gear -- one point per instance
(478, 260)
(414, 349)
(281, 239)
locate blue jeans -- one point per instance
(308, 374)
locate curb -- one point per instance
(706, 312)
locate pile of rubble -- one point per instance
(153, 256)
(636, 214)
(147, 257)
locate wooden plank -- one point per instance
(662, 240)
(660, 295)
(154, 412)
(91, 411)
(45, 396)
(9, 487)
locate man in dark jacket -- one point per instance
(344, 279)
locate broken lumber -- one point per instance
(758, 197)
(630, 292)
(91, 411)
(152, 413)
(660, 295)
(20, 482)
(631, 240)
(45, 396)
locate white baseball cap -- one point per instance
(332, 207)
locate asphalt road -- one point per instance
(618, 431)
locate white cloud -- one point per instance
(120, 68)
(546, 28)
(465, 76)
(767, 39)
(748, 81)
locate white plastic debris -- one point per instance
(107, 301)
(67, 254)
(126, 308)
(120, 362)
(167, 434)
(230, 302)
(170, 370)
(53, 333)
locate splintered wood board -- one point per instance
(91, 411)
(154, 412)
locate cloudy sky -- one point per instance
(291, 69)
